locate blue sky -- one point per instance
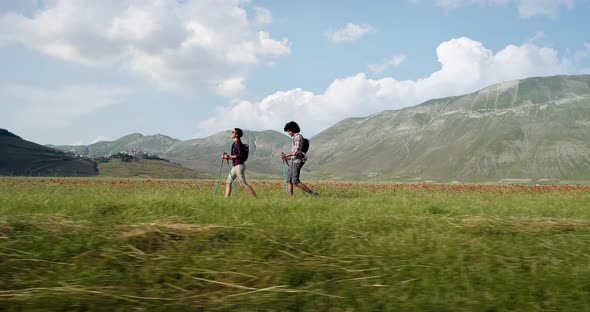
(81, 71)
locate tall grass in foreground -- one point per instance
(121, 245)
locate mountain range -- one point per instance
(534, 128)
(202, 155)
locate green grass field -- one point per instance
(172, 245)
(145, 168)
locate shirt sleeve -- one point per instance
(297, 144)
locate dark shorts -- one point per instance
(294, 171)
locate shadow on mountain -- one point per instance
(23, 158)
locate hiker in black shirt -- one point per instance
(239, 165)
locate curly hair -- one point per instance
(292, 126)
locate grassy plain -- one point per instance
(173, 245)
(145, 168)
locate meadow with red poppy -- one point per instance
(121, 244)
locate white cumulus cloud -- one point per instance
(174, 43)
(466, 66)
(231, 88)
(350, 32)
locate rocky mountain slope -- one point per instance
(533, 128)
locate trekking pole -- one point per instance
(285, 175)
(218, 176)
(232, 177)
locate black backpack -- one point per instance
(305, 146)
(244, 151)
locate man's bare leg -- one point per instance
(306, 189)
(249, 189)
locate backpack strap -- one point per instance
(300, 146)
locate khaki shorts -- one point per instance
(237, 173)
(294, 172)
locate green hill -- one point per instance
(536, 128)
(204, 154)
(147, 168)
(153, 144)
(24, 158)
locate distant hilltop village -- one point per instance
(129, 155)
(132, 153)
